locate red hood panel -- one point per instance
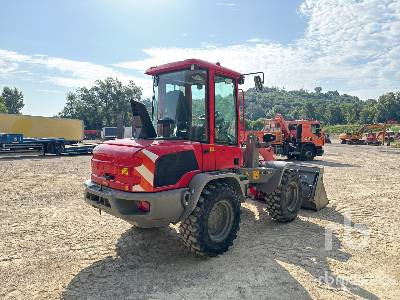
(108, 161)
(140, 143)
(112, 154)
(129, 164)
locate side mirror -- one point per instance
(258, 83)
(268, 138)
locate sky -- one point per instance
(51, 47)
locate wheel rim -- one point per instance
(220, 221)
(292, 197)
(309, 154)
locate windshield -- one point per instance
(180, 105)
(272, 126)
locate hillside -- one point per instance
(329, 107)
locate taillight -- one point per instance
(143, 206)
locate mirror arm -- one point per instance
(255, 73)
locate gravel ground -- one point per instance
(55, 246)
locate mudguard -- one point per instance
(267, 177)
(199, 181)
(270, 174)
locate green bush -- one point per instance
(338, 129)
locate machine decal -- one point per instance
(256, 175)
(125, 171)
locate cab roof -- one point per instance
(185, 64)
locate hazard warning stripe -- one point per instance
(137, 188)
(150, 155)
(147, 162)
(145, 171)
(147, 186)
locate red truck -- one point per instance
(300, 139)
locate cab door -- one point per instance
(227, 150)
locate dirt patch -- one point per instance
(54, 245)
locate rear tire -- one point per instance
(59, 149)
(307, 152)
(213, 225)
(284, 203)
(291, 156)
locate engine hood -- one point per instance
(129, 164)
(136, 143)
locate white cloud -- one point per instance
(254, 40)
(226, 4)
(67, 73)
(349, 45)
(49, 91)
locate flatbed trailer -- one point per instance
(79, 149)
(17, 145)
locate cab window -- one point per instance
(225, 111)
(316, 129)
(180, 105)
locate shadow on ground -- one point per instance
(153, 263)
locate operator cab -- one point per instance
(196, 102)
(181, 102)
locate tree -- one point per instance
(83, 104)
(115, 98)
(13, 99)
(308, 111)
(334, 115)
(368, 112)
(318, 89)
(351, 112)
(107, 103)
(388, 107)
(3, 108)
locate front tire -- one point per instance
(213, 225)
(284, 203)
(307, 152)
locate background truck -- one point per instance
(189, 166)
(71, 130)
(300, 139)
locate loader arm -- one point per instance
(282, 123)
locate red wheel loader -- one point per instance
(188, 165)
